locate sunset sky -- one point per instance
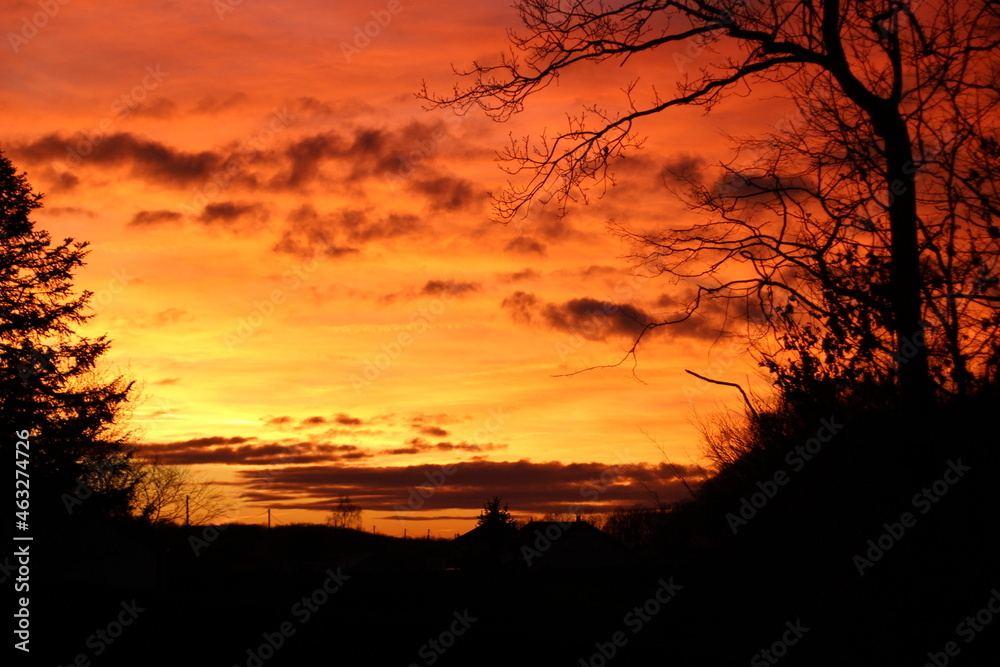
(296, 260)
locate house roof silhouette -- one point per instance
(572, 545)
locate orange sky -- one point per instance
(297, 263)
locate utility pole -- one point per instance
(268, 517)
(187, 510)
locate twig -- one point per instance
(670, 463)
(746, 399)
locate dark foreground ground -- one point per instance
(872, 554)
(712, 609)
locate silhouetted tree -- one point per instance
(495, 515)
(859, 235)
(50, 384)
(172, 494)
(345, 515)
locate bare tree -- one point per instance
(860, 239)
(345, 515)
(173, 494)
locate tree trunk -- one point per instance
(904, 267)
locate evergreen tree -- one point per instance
(50, 385)
(494, 515)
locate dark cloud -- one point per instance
(213, 440)
(528, 487)
(412, 448)
(518, 276)
(166, 381)
(244, 451)
(367, 152)
(234, 216)
(449, 287)
(47, 148)
(709, 321)
(524, 245)
(161, 107)
(168, 316)
(290, 244)
(333, 234)
(313, 422)
(434, 288)
(70, 210)
(213, 105)
(361, 230)
(682, 169)
(522, 306)
(419, 419)
(444, 193)
(149, 160)
(596, 320)
(341, 109)
(755, 186)
(347, 420)
(435, 431)
(590, 318)
(334, 159)
(306, 157)
(65, 182)
(468, 447)
(552, 226)
(595, 270)
(420, 445)
(158, 217)
(426, 517)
